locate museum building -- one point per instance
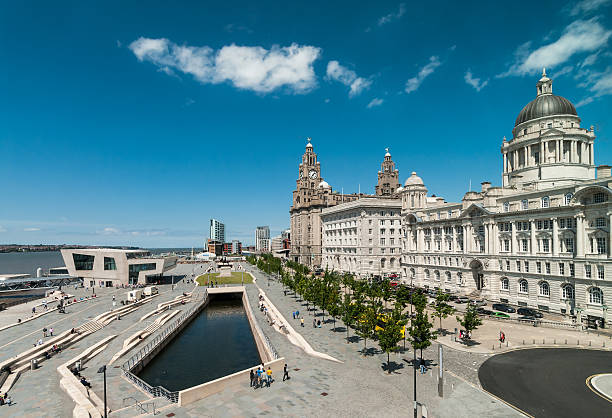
(541, 240)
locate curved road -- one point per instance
(548, 382)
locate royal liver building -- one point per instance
(541, 240)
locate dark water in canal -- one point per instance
(216, 343)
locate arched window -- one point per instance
(568, 198)
(524, 204)
(412, 273)
(544, 289)
(437, 274)
(459, 278)
(448, 276)
(595, 295)
(426, 274)
(568, 291)
(392, 263)
(546, 202)
(505, 283)
(523, 286)
(506, 206)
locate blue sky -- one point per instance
(127, 123)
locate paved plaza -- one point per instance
(358, 386)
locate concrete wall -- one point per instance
(196, 393)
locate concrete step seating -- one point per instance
(167, 305)
(88, 404)
(21, 362)
(139, 336)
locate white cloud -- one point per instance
(579, 37)
(249, 68)
(586, 6)
(110, 231)
(337, 72)
(31, 229)
(393, 15)
(415, 82)
(475, 82)
(2, 229)
(375, 102)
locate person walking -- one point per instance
(252, 375)
(302, 322)
(51, 331)
(293, 314)
(44, 332)
(285, 373)
(314, 323)
(297, 314)
(423, 369)
(269, 373)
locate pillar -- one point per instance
(487, 237)
(580, 235)
(505, 162)
(542, 151)
(610, 234)
(513, 244)
(494, 238)
(592, 158)
(533, 244)
(555, 237)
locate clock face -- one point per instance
(312, 174)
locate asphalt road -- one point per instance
(548, 382)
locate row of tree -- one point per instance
(374, 309)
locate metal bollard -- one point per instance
(566, 341)
(543, 341)
(589, 343)
(523, 342)
(533, 341)
(506, 343)
(555, 341)
(577, 342)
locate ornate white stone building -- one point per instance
(363, 237)
(541, 240)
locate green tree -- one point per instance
(420, 329)
(367, 322)
(442, 308)
(391, 334)
(470, 320)
(349, 313)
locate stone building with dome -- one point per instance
(541, 240)
(313, 195)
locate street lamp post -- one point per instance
(415, 379)
(103, 370)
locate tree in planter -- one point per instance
(470, 320)
(367, 322)
(442, 308)
(349, 314)
(391, 334)
(420, 330)
(334, 304)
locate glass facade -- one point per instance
(83, 261)
(134, 269)
(109, 263)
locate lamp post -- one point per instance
(103, 370)
(415, 377)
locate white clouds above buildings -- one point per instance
(586, 6)
(475, 82)
(375, 102)
(339, 73)
(245, 67)
(31, 229)
(392, 16)
(578, 37)
(415, 82)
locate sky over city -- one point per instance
(130, 123)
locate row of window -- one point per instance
(525, 266)
(567, 290)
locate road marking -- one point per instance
(595, 391)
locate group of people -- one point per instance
(47, 331)
(82, 379)
(6, 399)
(465, 334)
(261, 377)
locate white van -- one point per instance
(134, 295)
(151, 290)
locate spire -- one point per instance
(387, 152)
(544, 85)
(543, 71)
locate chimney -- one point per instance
(604, 171)
(485, 186)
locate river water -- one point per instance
(27, 263)
(216, 343)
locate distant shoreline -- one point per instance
(14, 248)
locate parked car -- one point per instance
(452, 297)
(499, 315)
(462, 299)
(483, 311)
(529, 312)
(502, 307)
(478, 302)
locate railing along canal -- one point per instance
(158, 391)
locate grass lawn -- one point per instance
(236, 278)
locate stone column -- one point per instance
(505, 162)
(610, 234)
(494, 238)
(592, 158)
(555, 237)
(487, 237)
(542, 153)
(466, 239)
(580, 235)
(513, 244)
(533, 244)
(560, 150)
